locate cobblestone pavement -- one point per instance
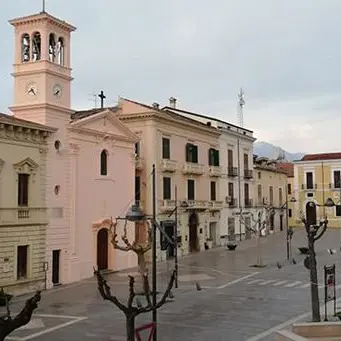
(237, 301)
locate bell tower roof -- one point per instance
(42, 17)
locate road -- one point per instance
(237, 302)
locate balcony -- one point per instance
(193, 168)
(309, 187)
(139, 163)
(215, 205)
(197, 204)
(167, 205)
(232, 171)
(335, 187)
(23, 216)
(248, 174)
(214, 171)
(232, 202)
(167, 165)
(248, 203)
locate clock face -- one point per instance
(57, 91)
(31, 89)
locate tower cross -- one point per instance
(102, 97)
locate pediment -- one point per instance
(105, 122)
(26, 166)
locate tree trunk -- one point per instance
(259, 249)
(141, 263)
(315, 302)
(130, 326)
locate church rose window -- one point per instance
(36, 46)
(25, 47)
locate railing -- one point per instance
(248, 174)
(335, 186)
(167, 205)
(233, 202)
(23, 215)
(193, 168)
(309, 187)
(214, 171)
(197, 204)
(215, 205)
(139, 163)
(248, 202)
(167, 165)
(232, 171)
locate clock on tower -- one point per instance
(42, 71)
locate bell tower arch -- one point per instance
(42, 69)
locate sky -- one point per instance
(284, 54)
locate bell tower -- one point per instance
(42, 70)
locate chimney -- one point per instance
(172, 102)
(156, 105)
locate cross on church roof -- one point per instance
(102, 97)
(43, 6)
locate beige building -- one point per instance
(270, 186)
(180, 148)
(23, 216)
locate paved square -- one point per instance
(41, 324)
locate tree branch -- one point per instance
(105, 291)
(114, 241)
(146, 289)
(131, 291)
(9, 324)
(324, 226)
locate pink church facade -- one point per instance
(90, 163)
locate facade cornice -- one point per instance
(268, 169)
(45, 70)
(317, 162)
(168, 119)
(226, 132)
(47, 106)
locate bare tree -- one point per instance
(132, 309)
(8, 323)
(314, 233)
(260, 221)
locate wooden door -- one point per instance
(102, 249)
(55, 266)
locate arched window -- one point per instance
(60, 51)
(52, 47)
(25, 47)
(36, 46)
(104, 162)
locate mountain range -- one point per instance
(271, 151)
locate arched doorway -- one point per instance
(193, 232)
(310, 210)
(102, 249)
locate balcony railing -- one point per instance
(167, 205)
(232, 202)
(309, 187)
(248, 174)
(197, 204)
(248, 202)
(214, 171)
(23, 216)
(167, 165)
(335, 186)
(193, 168)
(232, 171)
(139, 163)
(215, 205)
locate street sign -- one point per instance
(329, 287)
(145, 327)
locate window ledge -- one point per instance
(105, 178)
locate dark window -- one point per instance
(190, 190)
(338, 210)
(22, 261)
(213, 191)
(23, 189)
(191, 153)
(259, 175)
(290, 212)
(246, 161)
(137, 149)
(165, 148)
(137, 190)
(280, 196)
(246, 191)
(309, 180)
(213, 157)
(310, 195)
(104, 162)
(337, 178)
(230, 189)
(229, 158)
(166, 188)
(289, 188)
(271, 195)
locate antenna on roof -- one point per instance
(240, 109)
